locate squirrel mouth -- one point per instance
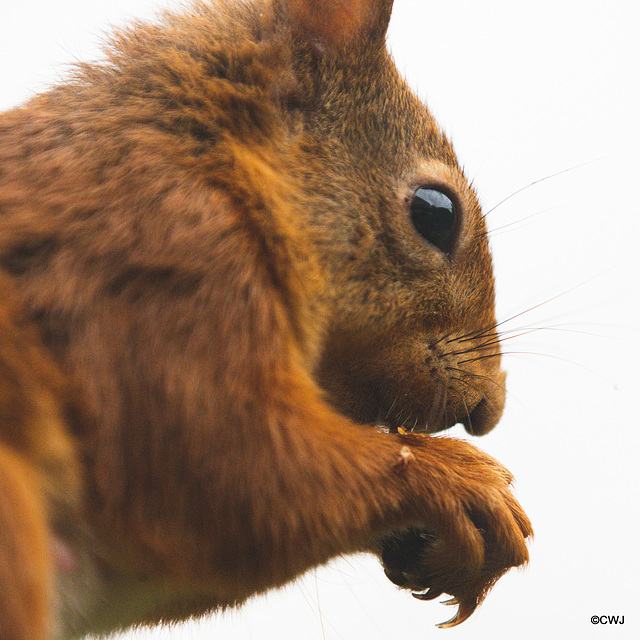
(417, 427)
(478, 421)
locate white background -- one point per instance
(525, 90)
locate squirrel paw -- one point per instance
(419, 559)
(476, 530)
(406, 561)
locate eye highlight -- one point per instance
(435, 218)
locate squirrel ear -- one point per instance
(338, 23)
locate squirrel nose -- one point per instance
(481, 419)
(484, 416)
(488, 411)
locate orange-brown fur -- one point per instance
(39, 472)
(209, 236)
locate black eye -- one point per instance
(434, 216)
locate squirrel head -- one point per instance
(410, 338)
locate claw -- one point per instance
(464, 611)
(450, 601)
(429, 594)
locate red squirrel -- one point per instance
(243, 280)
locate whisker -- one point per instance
(390, 409)
(559, 295)
(523, 331)
(492, 232)
(446, 396)
(516, 333)
(475, 349)
(560, 358)
(485, 357)
(473, 335)
(491, 341)
(476, 334)
(464, 402)
(315, 576)
(502, 337)
(474, 388)
(531, 184)
(435, 404)
(508, 392)
(572, 327)
(479, 333)
(443, 410)
(440, 339)
(477, 375)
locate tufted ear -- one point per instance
(339, 23)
